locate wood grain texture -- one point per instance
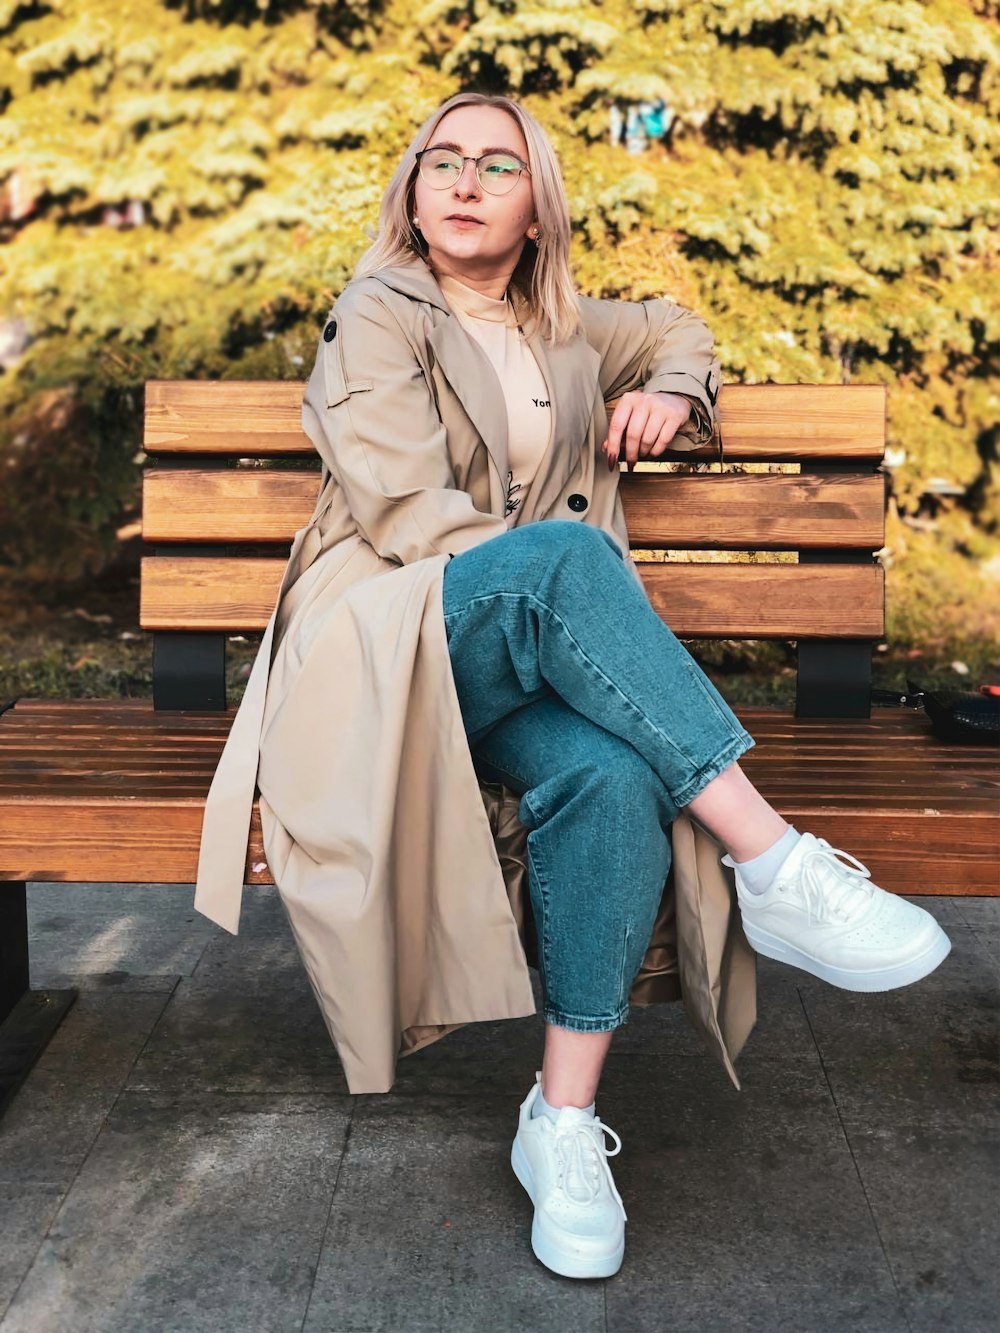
(113, 791)
(705, 511)
(245, 417)
(763, 422)
(696, 600)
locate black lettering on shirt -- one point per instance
(511, 505)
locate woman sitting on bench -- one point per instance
(574, 694)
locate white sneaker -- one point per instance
(829, 919)
(579, 1224)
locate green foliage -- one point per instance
(827, 196)
(516, 48)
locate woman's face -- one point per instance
(490, 247)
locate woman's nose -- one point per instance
(464, 185)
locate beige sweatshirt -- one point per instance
(529, 416)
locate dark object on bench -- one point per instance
(114, 790)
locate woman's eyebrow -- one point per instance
(458, 148)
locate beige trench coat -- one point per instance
(402, 874)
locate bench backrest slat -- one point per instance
(759, 422)
(225, 476)
(710, 512)
(750, 601)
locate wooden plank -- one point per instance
(763, 422)
(840, 792)
(153, 842)
(207, 594)
(927, 819)
(753, 512)
(244, 417)
(710, 511)
(169, 754)
(790, 421)
(185, 505)
(148, 751)
(710, 601)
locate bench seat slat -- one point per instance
(26, 755)
(697, 600)
(137, 818)
(112, 728)
(857, 769)
(153, 842)
(837, 791)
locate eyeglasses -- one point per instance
(497, 173)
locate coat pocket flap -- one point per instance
(336, 384)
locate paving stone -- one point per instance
(430, 1229)
(56, 1114)
(780, 1033)
(481, 1058)
(933, 1190)
(980, 910)
(990, 941)
(131, 929)
(246, 1020)
(745, 1209)
(190, 1214)
(924, 1054)
(145, 929)
(26, 1211)
(117, 981)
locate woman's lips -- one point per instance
(464, 222)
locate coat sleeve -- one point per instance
(371, 414)
(658, 346)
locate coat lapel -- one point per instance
(570, 372)
(470, 373)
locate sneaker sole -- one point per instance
(881, 979)
(565, 1263)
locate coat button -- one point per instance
(330, 332)
(577, 502)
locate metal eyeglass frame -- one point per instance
(523, 165)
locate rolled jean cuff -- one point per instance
(738, 746)
(576, 1023)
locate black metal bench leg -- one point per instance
(28, 1017)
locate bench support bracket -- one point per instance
(834, 679)
(28, 1018)
(189, 671)
(835, 675)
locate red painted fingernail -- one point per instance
(612, 462)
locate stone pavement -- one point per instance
(185, 1155)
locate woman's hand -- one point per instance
(643, 424)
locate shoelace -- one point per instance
(581, 1152)
(832, 889)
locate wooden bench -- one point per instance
(114, 791)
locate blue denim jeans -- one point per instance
(576, 696)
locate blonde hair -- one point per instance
(542, 274)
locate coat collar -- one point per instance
(570, 372)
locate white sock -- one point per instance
(759, 872)
(541, 1107)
